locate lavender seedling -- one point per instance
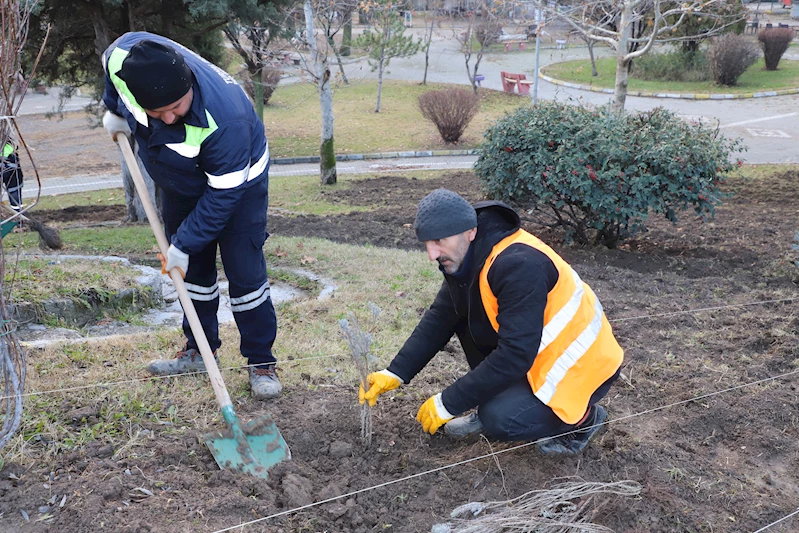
(360, 343)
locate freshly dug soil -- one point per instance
(722, 463)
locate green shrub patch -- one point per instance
(597, 174)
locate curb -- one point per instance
(681, 96)
(377, 155)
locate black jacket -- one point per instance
(521, 278)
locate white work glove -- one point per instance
(114, 124)
(175, 258)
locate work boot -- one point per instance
(463, 426)
(185, 361)
(574, 443)
(264, 382)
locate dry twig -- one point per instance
(562, 509)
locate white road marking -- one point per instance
(775, 134)
(754, 120)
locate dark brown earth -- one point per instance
(722, 463)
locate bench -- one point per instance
(478, 78)
(561, 43)
(521, 45)
(512, 83)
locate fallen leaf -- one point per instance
(300, 246)
(307, 260)
(280, 252)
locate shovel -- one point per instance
(251, 448)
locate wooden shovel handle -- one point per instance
(217, 382)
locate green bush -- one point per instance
(598, 174)
(677, 65)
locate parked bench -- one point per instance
(478, 78)
(521, 45)
(561, 43)
(512, 83)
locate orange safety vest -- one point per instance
(578, 351)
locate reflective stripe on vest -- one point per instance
(195, 135)
(578, 352)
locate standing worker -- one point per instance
(539, 346)
(200, 140)
(12, 175)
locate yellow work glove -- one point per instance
(432, 414)
(379, 382)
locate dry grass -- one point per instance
(36, 280)
(132, 408)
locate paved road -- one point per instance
(769, 126)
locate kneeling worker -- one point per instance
(540, 349)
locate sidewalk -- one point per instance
(74, 184)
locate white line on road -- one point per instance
(754, 120)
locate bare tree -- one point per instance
(15, 15)
(430, 20)
(633, 27)
(332, 19)
(319, 70)
(475, 39)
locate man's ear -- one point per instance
(472, 233)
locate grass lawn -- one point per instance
(753, 80)
(309, 343)
(293, 123)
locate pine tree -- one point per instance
(386, 41)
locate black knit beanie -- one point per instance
(443, 213)
(156, 74)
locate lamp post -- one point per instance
(538, 27)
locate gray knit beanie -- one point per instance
(443, 213)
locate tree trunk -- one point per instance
(429, 38)
(379, 83)
(591, 55)
(622, 62)
(346, 42)
(134, 208)
(102, 35)
(258, 91)
(327, 154)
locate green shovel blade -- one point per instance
(264, 448)
(6, 227)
